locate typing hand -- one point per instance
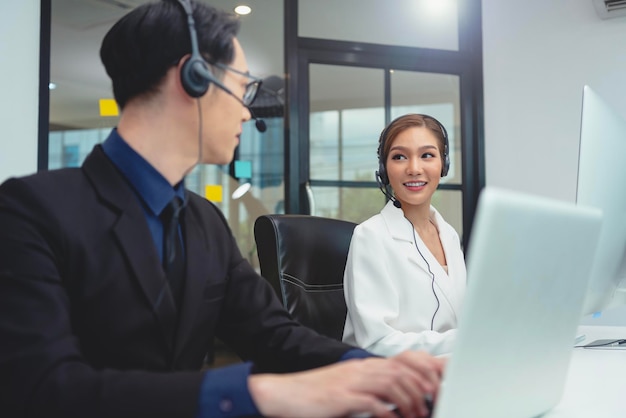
(352, 387)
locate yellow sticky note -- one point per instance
(108, 107)
(213, 192)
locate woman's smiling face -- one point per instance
(414, 164)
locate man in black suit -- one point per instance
(92, 320)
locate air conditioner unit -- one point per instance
(610, 8)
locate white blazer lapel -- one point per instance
(401, 231)
(453, 288)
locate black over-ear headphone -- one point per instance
(195, 75)
(381, 174)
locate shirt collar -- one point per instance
(150, 185)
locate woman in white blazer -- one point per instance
(405, 275)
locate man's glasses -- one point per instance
(252, 88)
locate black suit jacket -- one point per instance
(82, 330)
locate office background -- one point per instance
(536, 57)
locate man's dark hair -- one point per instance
(140, 48)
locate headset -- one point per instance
(195, 74)
(381, 174)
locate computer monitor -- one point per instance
(602, 184)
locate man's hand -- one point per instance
(350, 387)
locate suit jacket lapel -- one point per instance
(133, 235)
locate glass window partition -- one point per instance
(76, 124)
(344, 135)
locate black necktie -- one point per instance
(173, 259)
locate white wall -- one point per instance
(19, 84)
(538, 54)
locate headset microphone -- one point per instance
(383, 188)
(202, 72)
(258, 122)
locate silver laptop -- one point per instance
(528, 263)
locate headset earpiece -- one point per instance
(195, 74)
(446, 165)
(381, 174)
(446, 150)
(194, 85)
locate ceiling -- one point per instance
(78, 27)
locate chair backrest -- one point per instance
(304, 257)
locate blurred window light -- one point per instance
(438, 8)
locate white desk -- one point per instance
(596, 383)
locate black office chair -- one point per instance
(304, 257)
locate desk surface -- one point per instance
(596, 383)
